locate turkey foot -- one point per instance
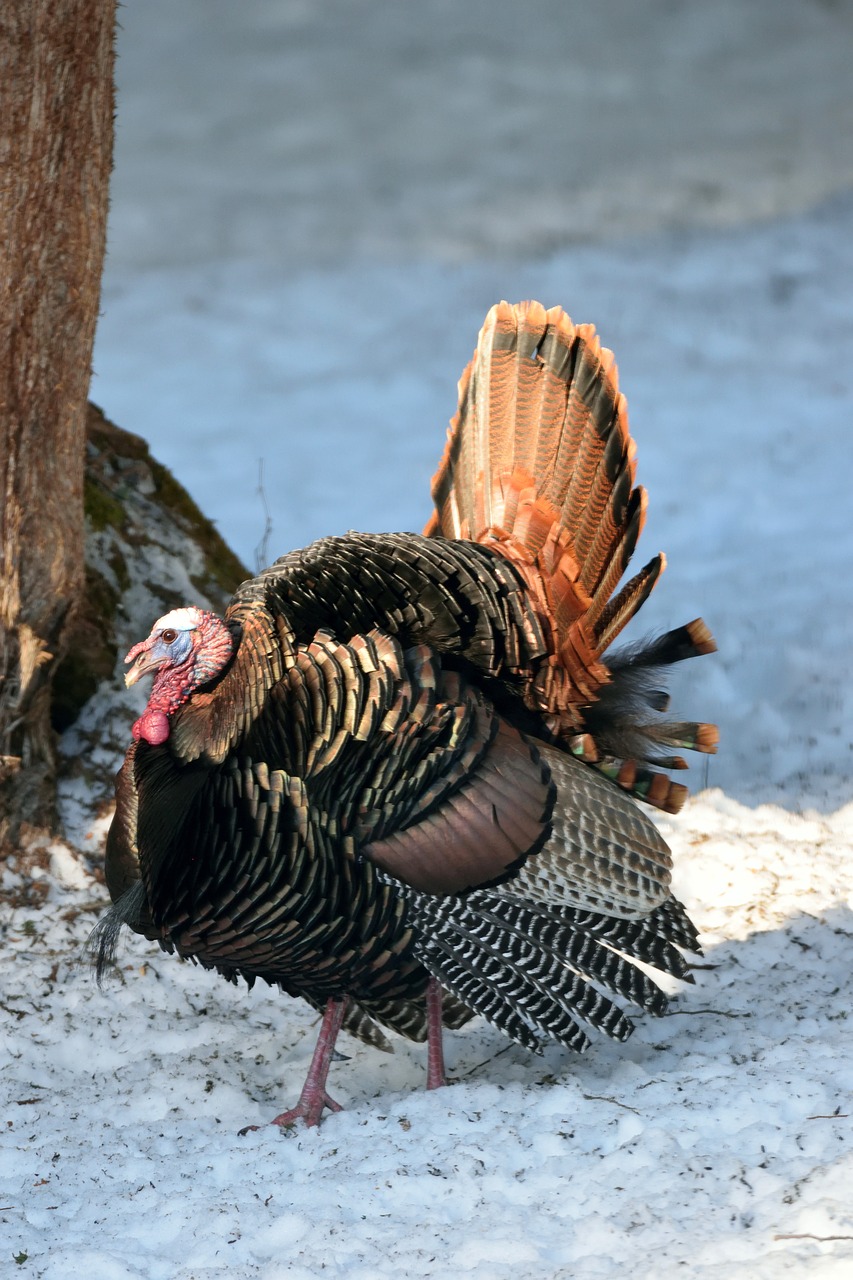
(314, 1099)
(310, 1107)
(435, 1048)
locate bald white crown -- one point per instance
(179, 620)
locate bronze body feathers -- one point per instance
(418, 767)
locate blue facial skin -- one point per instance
(176, 652)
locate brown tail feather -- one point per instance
(621, 608)
(540, 466)
(647, 784)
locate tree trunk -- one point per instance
(56, 132)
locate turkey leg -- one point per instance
(314, 1098)
(435, 1046)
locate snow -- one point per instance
(311, 217)
(717, 1142)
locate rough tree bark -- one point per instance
(56, 134)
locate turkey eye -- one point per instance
(169, 636)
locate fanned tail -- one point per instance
(539, 456)
(540, 467)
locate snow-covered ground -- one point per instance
(716, 1143)
(314, 206)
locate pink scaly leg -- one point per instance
(435, 1048)
(314, 1098)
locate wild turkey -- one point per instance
(400, 765)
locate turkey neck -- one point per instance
(214, 720)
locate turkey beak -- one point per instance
(143, 662)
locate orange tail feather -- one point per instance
(540, 466)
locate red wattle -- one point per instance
(153, 726)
